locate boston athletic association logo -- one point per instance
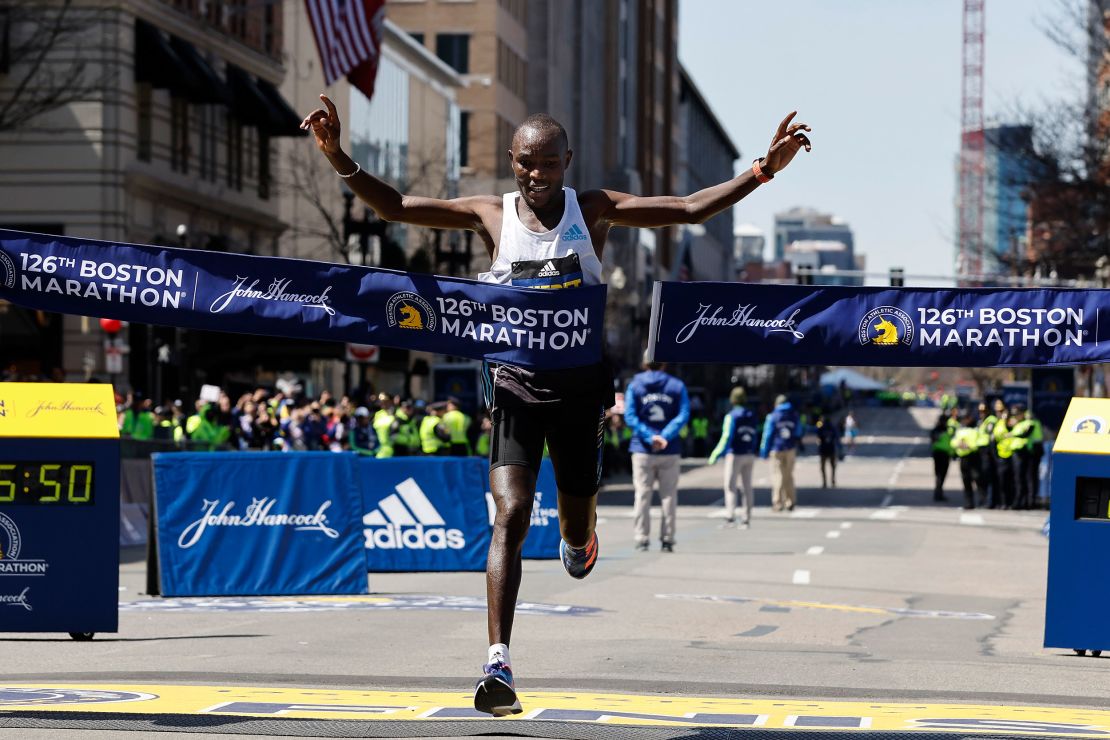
(1090, 425)
(407, 310)
(886, 326)
(7, 271)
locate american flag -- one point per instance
(348, 35)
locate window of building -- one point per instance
(269, 30)
(511, 69)
(179, 134)
(504, 143)
(418, 38)
(464, 138)
(234, 153)
(206, 165)
(263, 166)
(454, 50)
(5, 40)
(515, 8)
(237, 18)
(143, 111)
(250, 143)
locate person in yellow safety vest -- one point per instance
(481, 447)
(458, 424)
(965, 443)
(699, 425)
(1036, 440)
(988, 463)
(166, 428)
(1004, 449)
(406, 439)
(138, 419)
(433, 434)
(202, 429)
(384, 425)
(941, 437)
(1025, 476)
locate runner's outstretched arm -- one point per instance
(623, 209)
(388, 204)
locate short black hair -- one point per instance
(544, 124)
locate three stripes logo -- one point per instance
(548, 270)
(408, 520)
(574, 234)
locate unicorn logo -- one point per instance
(886, 330)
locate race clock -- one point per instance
(59, 508)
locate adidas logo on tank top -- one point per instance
(574, 234)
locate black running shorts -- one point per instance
(571, 420)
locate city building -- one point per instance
(172, 141)
(805, 224)
(748, 243)
(1009, 170)
(809, 240)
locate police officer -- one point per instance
(1021, 442)
(738, 445)
(965, 442)
(699, 425)
(1004, 452)
(434, 436)
(782, 432)
(657, 407)
(988, 460)
(458, 424)
(941, 437)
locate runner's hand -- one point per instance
(788, 139)
(324, 125)
(658, 442)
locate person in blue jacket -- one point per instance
(782, 431)
(656, 408)
(739, 435)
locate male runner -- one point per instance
(545, 236)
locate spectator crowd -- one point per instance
(379, 426)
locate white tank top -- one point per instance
(561, 258)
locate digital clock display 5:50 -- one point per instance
(46, 483)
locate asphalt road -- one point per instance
(867, 592)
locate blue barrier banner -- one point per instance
(258, 523)
(905, 327)
(188, 288)
(424, 513)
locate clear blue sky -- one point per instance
(879, 82)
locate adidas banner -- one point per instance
(255, 523)
(424, 514)
(194, 289)
(908, 327)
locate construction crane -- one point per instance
(972, 145)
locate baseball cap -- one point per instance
(362, 411)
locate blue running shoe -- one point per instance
(578, 563)
(496, 694)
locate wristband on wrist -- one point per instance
(358, 169)
(760, 175)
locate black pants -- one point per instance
(988, 479)
(1025, 474)
(940, 468)
(1007, 481)
(969, 472)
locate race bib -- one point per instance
(548, 274)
